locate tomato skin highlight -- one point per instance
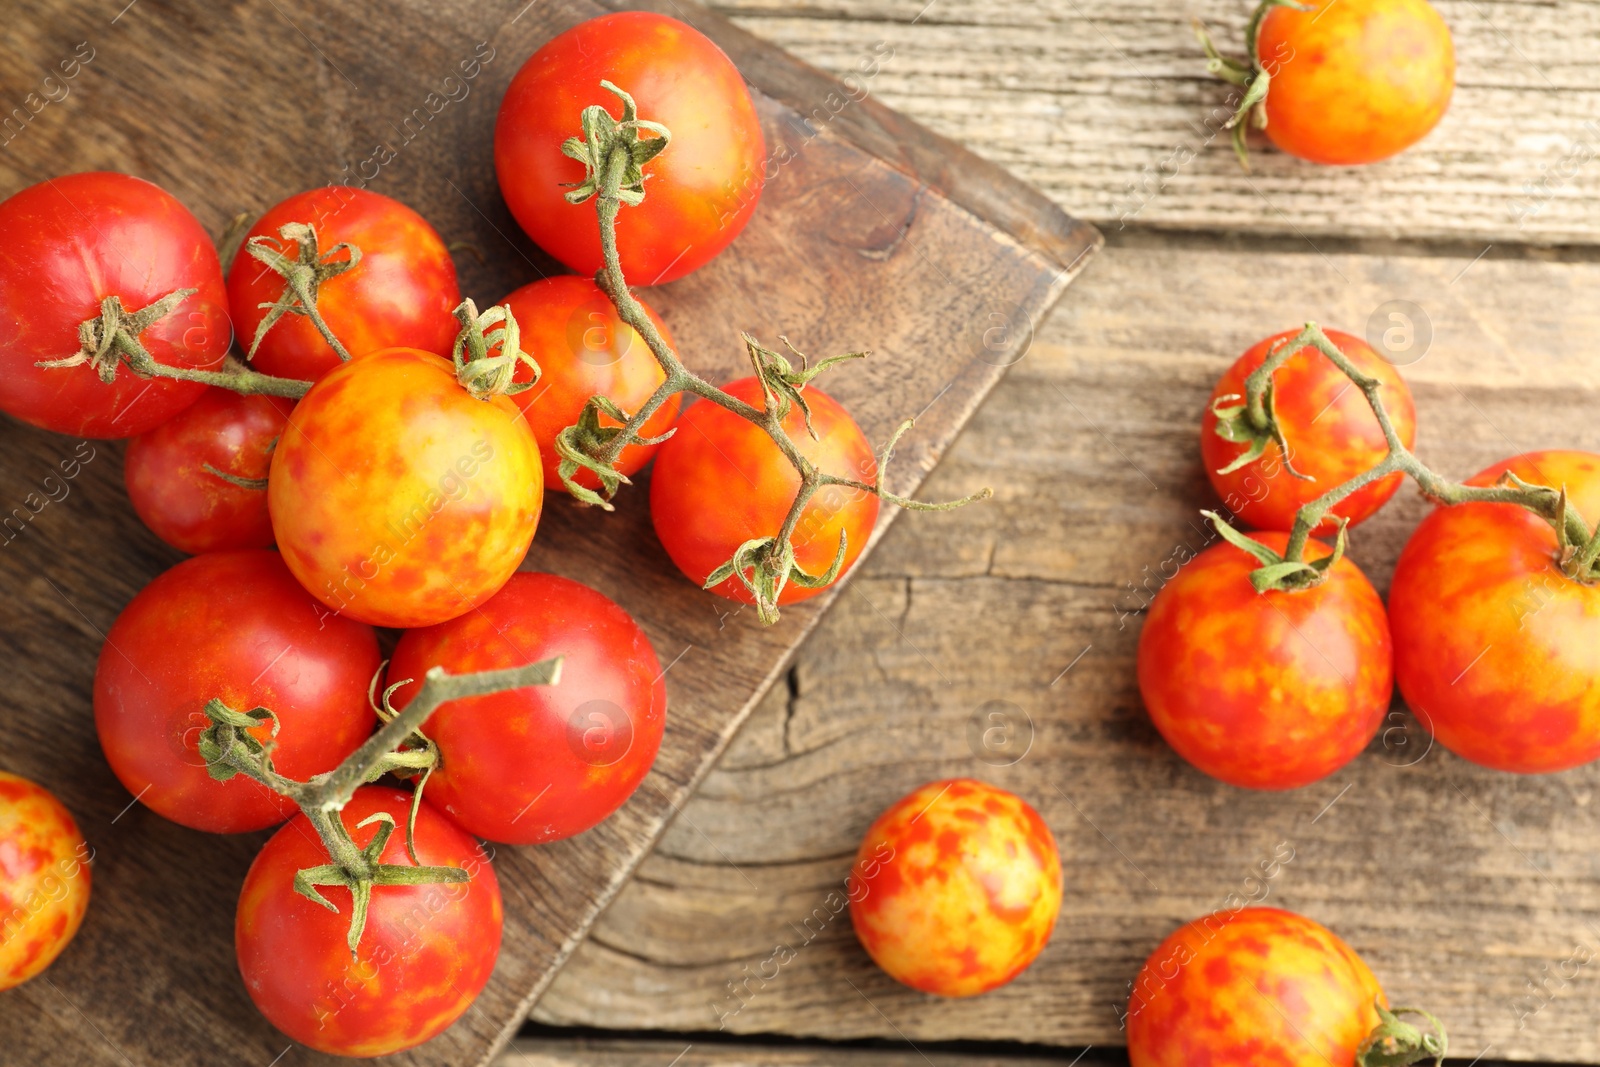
(187, 506)
(44, 879)
(1355, 81)
(426, 953)
(584, 349)
(234, 626)
(700, 191)
(720, 481)
(1265, 691)
(401, 295)
(1330, 427)
(69, 242)
(1255, 987)
(535, 764)
(399, 499)
(956, 888)
(1497, 652)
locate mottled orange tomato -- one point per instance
(234, 626)
(1332, 433)
(397, 497)
(194, 509)
(1355, 81)
(425, 954)
(1265, 690)
(720, 481)
(584, 349)
(956, 888)
(401, 295)
(1496, 650)
(1250, 988)
(44, 879)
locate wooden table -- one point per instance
(1463, 888)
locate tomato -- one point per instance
(720, 481)
(1355, 81)
(1496, 650)
(700, 191)
(424, 956)
(234, 626)
(402, 294)
(65, 245)
(584, 349)
(956, 888)
(44, 879)
(1251, 987)
(398, 498)
(544, 762)
(188, 506)
(1332, 433)
(1265, 690)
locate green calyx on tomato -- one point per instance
(302, 276)
(1396, 1043)
(479, 373)
(1253, 77)
(604, 138)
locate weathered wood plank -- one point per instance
(236, 108)
(1104, 105)
(1459, 885)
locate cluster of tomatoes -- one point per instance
(394, 447)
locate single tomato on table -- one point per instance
(44, 879)
(397, 497)
(1332, 433)
(548, 761)
(720, 481)
(425, 953)
(584, 349)
(1497, 651)
(700, 191)
(402, 293)
(956, 888)
(184, 476)
(66, 245)
(236, 627)
(1265, 690)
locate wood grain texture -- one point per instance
(1459, 885)
(235, 106)
(1105, 105)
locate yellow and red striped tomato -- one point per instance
(426, 952)
(956, 888)
(44, 879)
(397, 497)
(1265, 690)
(1496, 650)
(1260, 987)
(1332, 433)
(1355, 81)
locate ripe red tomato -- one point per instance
(424, 956)
(1496, 650)
(234, 626)
(401, 295)
(1251, 987)
(545, 762)
(584, 349)
(720, 481)
(65, 245)
(700, 192)
(398, 498)
(189, 507)
(1355, 81)
(956, 888)
(1265, 690)
(44, 879)
(1332, 433)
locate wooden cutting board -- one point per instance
(874, 233)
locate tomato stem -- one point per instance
(1252, 76)
(1251, 419)
(613, 153)
(303, 275)
(1396, 1043)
